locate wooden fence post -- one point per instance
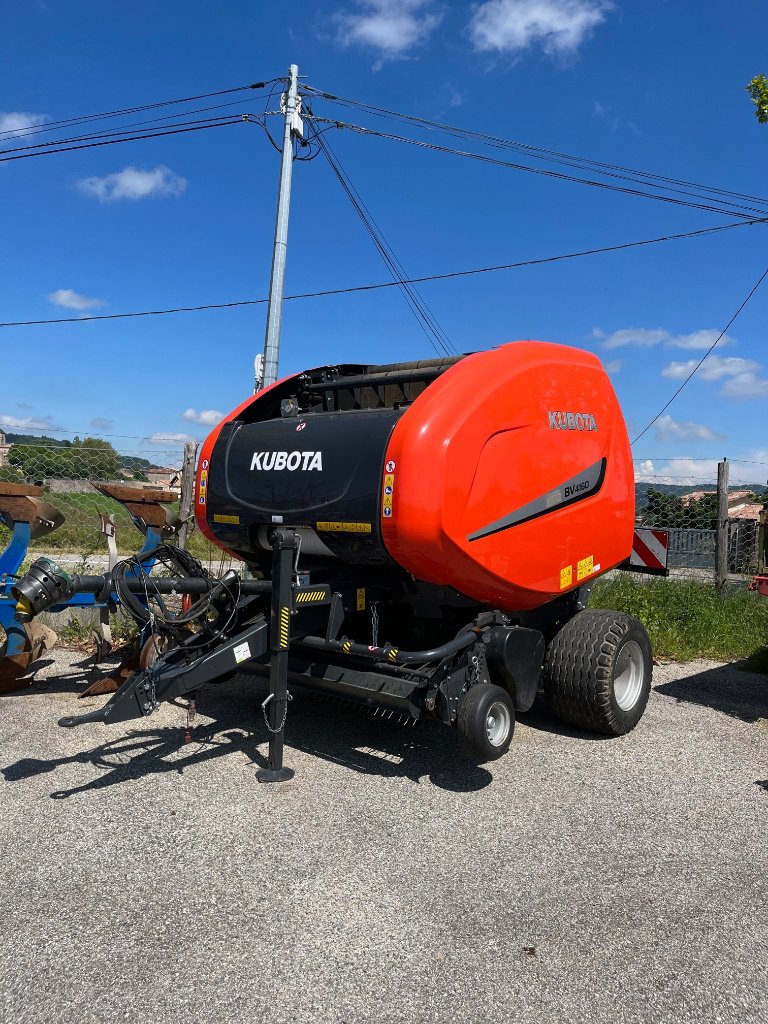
(721, 535)
(187, 492)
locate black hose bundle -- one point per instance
(148, 607)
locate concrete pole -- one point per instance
(277, 280)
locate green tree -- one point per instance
(758, 91)
(88, 458)
(97, 458)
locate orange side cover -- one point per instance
(510, 478)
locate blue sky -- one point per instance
(188, 219)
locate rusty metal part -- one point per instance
(129, 663)
(152, 650)
(23, 503)
(13, 668)
(133, 660)
(144, 504)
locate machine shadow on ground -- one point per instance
(738, 694)
(330, 729)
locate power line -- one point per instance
(52, 125)
(395, 284)
(722, 208)
(134, 124)
(537, 152)
(714, 344)
(426, 319)
(223, 123)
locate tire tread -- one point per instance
(578, 667)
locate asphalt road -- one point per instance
(577, 879)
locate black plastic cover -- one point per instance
(302, 471)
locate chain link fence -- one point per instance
(715, 517)
(68, 473)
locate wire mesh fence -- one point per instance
(713, 515)
(67, 473)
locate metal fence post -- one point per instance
(187, 492)
(721, 536)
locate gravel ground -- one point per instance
(577, 879)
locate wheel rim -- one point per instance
(629, 674)
(498, 723)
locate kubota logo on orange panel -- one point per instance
(572, 421)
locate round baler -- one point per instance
(421, 538)
(484, 492)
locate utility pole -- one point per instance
(291, 106)
(721, 536)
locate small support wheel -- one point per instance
(486, 722)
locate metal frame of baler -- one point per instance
(411, 683)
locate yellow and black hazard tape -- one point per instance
(346, 646)
(309, 596)
(285, 621)
(392, 654)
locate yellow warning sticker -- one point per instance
(361, 599)
(231, 520)
(566, 577)
(343, 527)
(389, 480)
(585, 567)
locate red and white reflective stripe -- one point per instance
(650, 549)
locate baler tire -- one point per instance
(480, 706)
(581, 677)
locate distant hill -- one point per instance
(131, 462)
(35, 439)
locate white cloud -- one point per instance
(558, 26)
(645, 337)
(746, 468)
(613, 366)
(714, 368)
(208, 417)
(614, 121)
(740, 377)
(25, 422)
(389, 27)
(700, 340)
(73, 300)
(17, 122)
(133, 183)
(691, 472)
(161, 438)
(668, 429)
(745, 385)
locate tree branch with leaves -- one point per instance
(758, 90)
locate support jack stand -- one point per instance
(284, 544)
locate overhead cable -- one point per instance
(84, 118)
(537, 152)
(711, 348)
(173, 118)
(377, 286)
(223, 123)
(426, 319)
(723, 208)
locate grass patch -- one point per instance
(76, 633)
(80, 533)
(686, 619)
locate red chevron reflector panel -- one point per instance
(650, 549)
